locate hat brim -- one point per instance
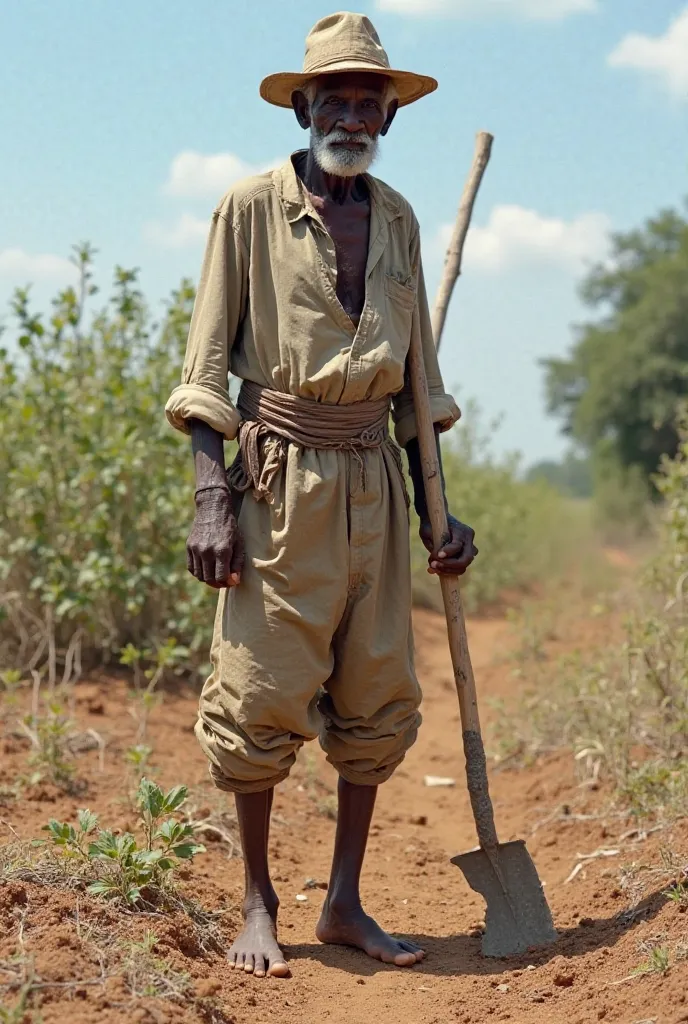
(277, 89)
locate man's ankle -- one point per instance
(259, 901)
(343, 903)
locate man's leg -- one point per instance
(371, 703)
(343, 919)
(255, 950)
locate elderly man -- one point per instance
(310, 292)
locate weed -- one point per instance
(148, 975)
(12, 684)
(327, 807)
(678, 894)
(17, 1014)
(121, 868)
(658, 962)
(137, 759)
(49, 731)
(146, 699)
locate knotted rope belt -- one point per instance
(271, 419)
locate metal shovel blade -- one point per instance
(518, 916)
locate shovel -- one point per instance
(517, 916)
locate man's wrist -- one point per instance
(213, 495)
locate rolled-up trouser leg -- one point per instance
(272, 643)
(370, 708)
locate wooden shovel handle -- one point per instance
(476, 768)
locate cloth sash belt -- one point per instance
(271, 419)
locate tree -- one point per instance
(620, 387)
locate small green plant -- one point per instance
(148, 975)
(649, 787)
(123, 867)
(17, 1014)
(137, 759)
(169, 655)
(658, 962)
(678, 894)
(49, 731)
(12, 682)
(327, 807)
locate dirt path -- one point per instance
(408, 884)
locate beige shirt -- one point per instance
(267, 309)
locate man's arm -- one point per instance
(458, 551)
(214, 551)
(201, 405)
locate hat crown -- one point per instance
(340, 37)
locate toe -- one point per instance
(248, 963)
(405, 959)
(410, 947)
(259, 965)
(231, 959)
(278, 969)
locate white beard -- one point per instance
(345, 163)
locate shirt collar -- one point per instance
(294, 196)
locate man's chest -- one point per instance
(349, 229)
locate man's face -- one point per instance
(347, 115)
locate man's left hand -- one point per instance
(457, 552)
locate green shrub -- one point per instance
(97, 489)
(624, 710)
(525, 531)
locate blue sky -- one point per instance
(124, 123)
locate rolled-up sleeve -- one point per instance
(219, 308)
(445, 411)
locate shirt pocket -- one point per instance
(400, 294)
(400, 302)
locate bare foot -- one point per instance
(256, 950)
(353, 927)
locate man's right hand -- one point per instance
(215, 550)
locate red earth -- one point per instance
(64, 939)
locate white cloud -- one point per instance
(514, 237)
(187, 230)
(542, 10)
(18, 265)
(665, 57)
(198, 175)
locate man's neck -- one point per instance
(331, 187)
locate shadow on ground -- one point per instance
(455, 955)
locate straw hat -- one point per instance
(344, 42)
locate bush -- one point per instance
(525, 531)
(97, 489)
(624, 711)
